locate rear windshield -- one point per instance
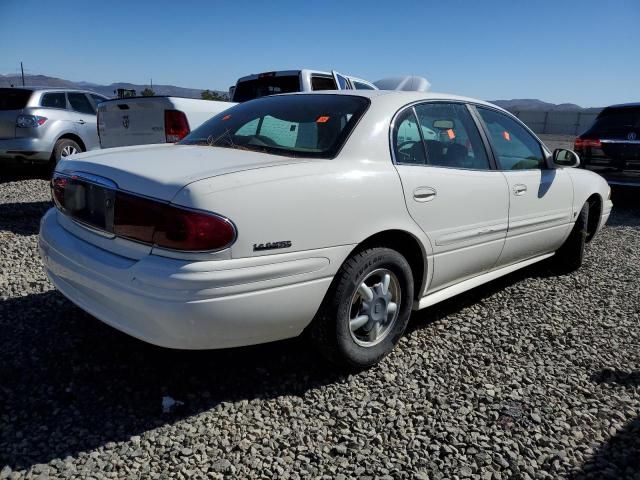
(611, 119)
(314, 126)
(14, 98)
(266, 85)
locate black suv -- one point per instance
(611, 146)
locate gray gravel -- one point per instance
(531, 376)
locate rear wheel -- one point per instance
(366, 309)
(63, 148)
(570, 255)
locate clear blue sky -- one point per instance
(585, 52)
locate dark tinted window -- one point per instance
(14, 98)
(514, 146)
(97, 98)
(618, 118)
(266, 85)
(451, 137)
(342, 81)
(362, 86)
(54, 100)
(293, 125)
(323, 83)
(80, 103)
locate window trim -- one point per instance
(412, 105)
(543, 149)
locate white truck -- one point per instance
(145, 120)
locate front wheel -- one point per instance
(366, 309)
(570, 255)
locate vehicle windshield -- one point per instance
(265, 85)
(612, 119)
(307, 125)
(14, 98)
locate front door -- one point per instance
(451, 191)
(84, 117)
(540, 198)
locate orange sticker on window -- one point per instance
(451, 134)
(226, 117)
(323, 119)
(506, 136)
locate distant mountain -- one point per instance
(106, 90)
(534, 104)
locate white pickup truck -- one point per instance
(144, 120)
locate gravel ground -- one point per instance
(531, 376)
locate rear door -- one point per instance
(540, 197)
(451, 189)
(84, 117)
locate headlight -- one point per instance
(30, 121)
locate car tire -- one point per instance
(339, 330)
(63, 148)
(570, 255)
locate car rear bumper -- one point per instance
(189, 305)
(25, 149)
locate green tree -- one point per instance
(147, 92)
(209, 95)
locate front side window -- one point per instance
(451, 137)
(80, 103)
(54, 100)
(323, 83)
(97, 98)
(514, 147)
(362, 86)
(314, 126)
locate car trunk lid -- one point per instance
(12, 103)
(160, 171)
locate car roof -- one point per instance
(53, 89)
(624, 105)
(400, 96)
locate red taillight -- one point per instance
(176, 126)
(151, 221)
(169, 226)
(586, 142)
(58, 184)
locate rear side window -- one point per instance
(266, 85)
(514, 146)
(313, 126)
(612, 120)
(451, 137)
(54, 100)
(14, 98)
(323, 83)
(409, 149)
(80, 103)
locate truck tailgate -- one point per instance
(141, 120)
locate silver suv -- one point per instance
(46, 124)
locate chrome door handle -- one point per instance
(519, 189)
(81, 122)
(424, 194)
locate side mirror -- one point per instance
(565, 158)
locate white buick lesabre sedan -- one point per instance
(335, 214)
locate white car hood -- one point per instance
(161, 171)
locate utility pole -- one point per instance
(151, 83)
(22, 70)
